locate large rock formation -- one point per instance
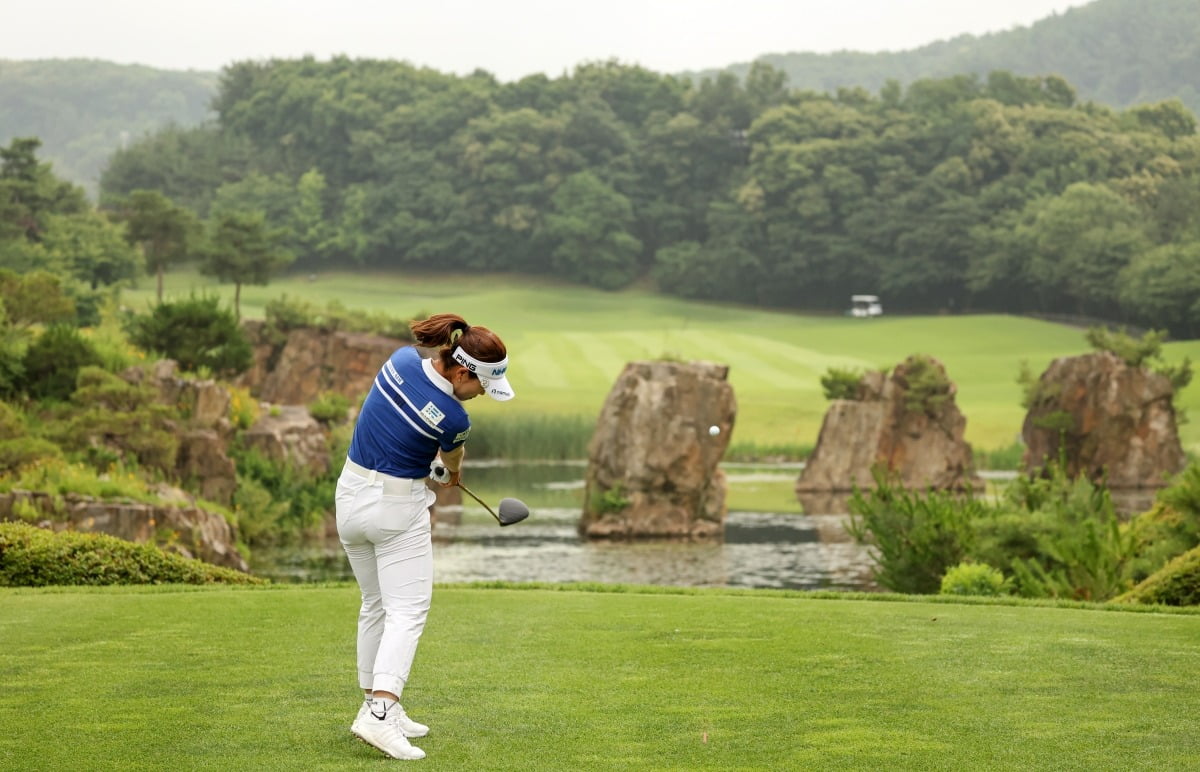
(177, 525)
(288, 434)
(919, 440)
(1111, 421)
(652, 462)
(310, 361)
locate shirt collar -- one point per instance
(437, 378)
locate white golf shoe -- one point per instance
(386, 735)
(407, 725)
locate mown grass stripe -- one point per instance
(600, 360)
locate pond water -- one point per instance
(768, 543)
(782, 549)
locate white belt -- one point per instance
(397, 486)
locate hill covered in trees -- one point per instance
(1001, 193)
(83, 110)
(1118, 52)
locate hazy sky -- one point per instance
(509, 38)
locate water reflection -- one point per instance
(768, 550)
(779, 550)
(759, 550)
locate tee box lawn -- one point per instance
(573, 678)
(568, 344)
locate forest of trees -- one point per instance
(1001, 193)
(1120, 53)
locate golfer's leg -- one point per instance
(405, 561)
(370, 614)
(355, 504)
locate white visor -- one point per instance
(493, 375)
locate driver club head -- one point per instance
(512, 511)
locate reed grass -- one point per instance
(551, 437)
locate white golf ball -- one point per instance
(713, 431)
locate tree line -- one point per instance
(952, 194)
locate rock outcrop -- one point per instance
(204, 438)
(180, 527)
(309, 362)
(652, 462)
(289, 434)
(1110, 421)
(919, 440)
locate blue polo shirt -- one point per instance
(409, 414)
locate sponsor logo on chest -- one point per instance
(432, 415)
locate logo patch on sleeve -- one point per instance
(462, 436)
(431, 414)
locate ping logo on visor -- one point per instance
(493, 375)
(482, 369)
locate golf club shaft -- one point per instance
(485, 506)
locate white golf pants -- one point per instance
(383, 524)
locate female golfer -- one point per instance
(412, 414)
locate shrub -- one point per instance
(839, 383)
(1058, 537)
(927, 387)
(259, 516)
(116, 420)
(1030, 388)
(915, 537)
(1183, 494)
(284, 314)
(52, 362)
(1134, 351)
(975, 579)
(610, 501)
(1175, 584)
(243, 407)
(296, 500)
(1171, 527)
(1088, 562)
(329, 408)
(12, 422)
(18, 452)
(57, 476)
(12, 356)
(35, 557)
(109, 339)
(1070, 542)
(197, 333)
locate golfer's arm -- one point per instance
(453, 460)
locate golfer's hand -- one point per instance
(442, 476)
(454, 478)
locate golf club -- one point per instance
(511, 510)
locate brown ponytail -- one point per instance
(446, 331)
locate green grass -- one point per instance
(568, 344)
(523, 679)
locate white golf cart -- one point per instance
(863, 306)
